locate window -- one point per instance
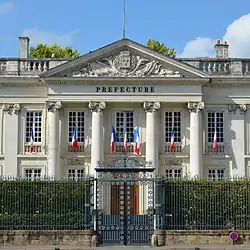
(76, 120)
(75, 174)
(33, 173)
(172, 120)
(174, 173)
(215, 121)
(33, 121)
(216, 174)
(124, 123)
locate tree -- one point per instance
(56, 51)
(161, 47)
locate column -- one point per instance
(11, 139)
(53, 158)
(238, 139)
(196, 145)
(151, 140)
(151, 146)
(97, 154)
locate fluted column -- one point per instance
(53, 158)
(151, 140)
(97, 154)
(196, 145)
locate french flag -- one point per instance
(215, 141)
(125, 141)
(172, 146)
(113, 140)
(32, 139)
(74, 141)
(136, 141)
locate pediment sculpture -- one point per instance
(125, 64)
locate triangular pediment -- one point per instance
(124, 58)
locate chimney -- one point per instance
(221, 49)
(24, 47)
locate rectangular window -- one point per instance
(32, 173)
(33, 122)
(216, 174)
(75, 174)
(215, 122)
(174, 173)
(76, 119)
(124, 122)
(172, 120)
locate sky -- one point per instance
(189, 26)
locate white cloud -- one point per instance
(49, 37)
(237, 34)
(5, 7)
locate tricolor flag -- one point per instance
(74, 141)
(113, 140)
(32, 139)
(172, 146)
(125, 141)
(136, 141)
(215, 141)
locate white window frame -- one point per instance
(173, 169)
(182, 144)
(43, 126)
(216, 173)
(33, 167)
(79, 168)
(81, 146)
(135, 118)
(220, 145)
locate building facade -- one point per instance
(125, 85)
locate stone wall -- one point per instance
(25, 238)
(203, 237)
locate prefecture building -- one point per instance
(125, 85)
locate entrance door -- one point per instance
(122, 223)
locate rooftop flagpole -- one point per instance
(124, 19)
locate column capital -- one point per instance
(151, 106)
(195, 106)
(96, 106)
(241, 107)
(11, 108)
(53, 106)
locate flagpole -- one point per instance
(124, 19)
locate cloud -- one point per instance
(5, 7)
(237, 34)
(49, 37)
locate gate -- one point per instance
(125, 203)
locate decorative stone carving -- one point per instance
(53, 106)
(11, 108)
(125, 64)
(173, 162)
(151, 106)
(241, 107)
(75, 162)
(96, 106)
(195, 106)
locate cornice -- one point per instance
(229, 81)
(20, 81)
(130, 80)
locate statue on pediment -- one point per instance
(125, 65)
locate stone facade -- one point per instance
(125, 85)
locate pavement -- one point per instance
(174, 247)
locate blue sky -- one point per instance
(189, 26)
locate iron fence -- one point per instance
(202, 204)
(45, 204)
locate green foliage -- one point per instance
(44, 205)
(45, 51)
(208, 205)
(161, 47)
